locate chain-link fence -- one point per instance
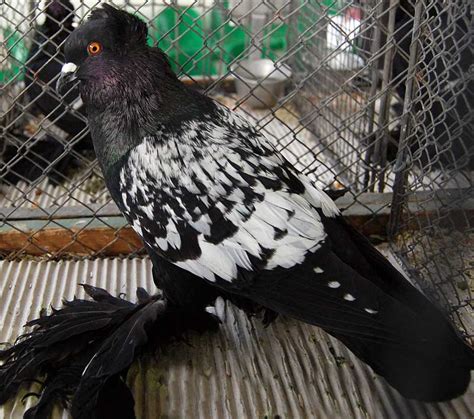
(372, 95)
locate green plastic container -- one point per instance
(17, 54)
(205, 44)
(180, 33)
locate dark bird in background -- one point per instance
(444, 87)
(221, 213)
(42, 68)
(443, 90)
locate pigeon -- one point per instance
(221, 214)
(43, 66)
(66, 118)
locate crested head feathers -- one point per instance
(129, 28)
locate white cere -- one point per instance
(68, 68)
(349, 297)
(334, 284)
(370, 311)
(318, 270)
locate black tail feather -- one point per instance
(420, 364)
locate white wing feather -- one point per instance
(286, 223)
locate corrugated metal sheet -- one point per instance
(244, 371)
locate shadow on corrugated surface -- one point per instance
(289, 370)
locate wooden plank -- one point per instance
(109, 236)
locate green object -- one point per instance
(205, 44)
(274, 44)
(16, 53)
(227, 41)
(197, 43)
(334, 7)
(180, 33)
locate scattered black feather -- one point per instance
(57, 338)
(57, 388)
(115, 401)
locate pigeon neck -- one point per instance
(117, 129)
(123, 122)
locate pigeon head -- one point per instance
(128, 88)
(105, 54)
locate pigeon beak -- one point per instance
(66, 78)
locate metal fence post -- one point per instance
(401, 167)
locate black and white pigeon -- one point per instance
(221, 213)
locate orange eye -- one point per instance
(94, 48)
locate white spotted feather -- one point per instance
(294, 217)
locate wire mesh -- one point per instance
(379, 100)
(436, 152)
